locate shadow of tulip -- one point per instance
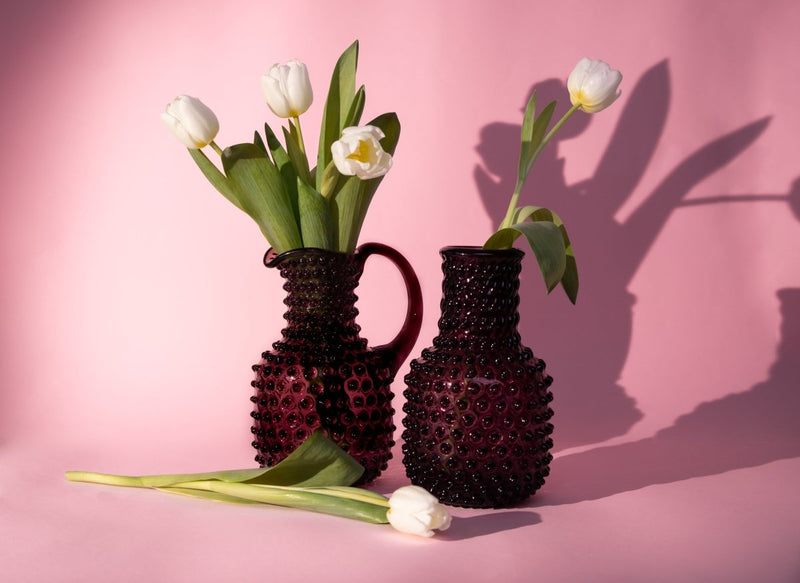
(586, 345)
(489, 523)
(740, 430)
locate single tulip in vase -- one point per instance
(477, 412)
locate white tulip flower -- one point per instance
(414, 510)
(287, 89)
(359, 153)
(593, 85)
(191, 121)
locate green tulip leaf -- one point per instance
(569, 281)
(316, 462)
(348, 207)
(320, 500)
(527, 131)
(279, 154)
(259, 141)
(330, 179)
(546, 242)
(356, 109)
(337, 105)
(259, 186)
(296, 155)
(535, 140)
(206, 495)
(315, 222)
(282, 162)
(215, 176)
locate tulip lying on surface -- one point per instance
(593, 85)
(287, 89)
(191, 121)
(414, 510)
(316, 476)
(359, 153)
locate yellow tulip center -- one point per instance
(361, 153)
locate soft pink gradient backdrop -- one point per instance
(134, 300)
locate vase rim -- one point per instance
(272, 258)
(476, 250)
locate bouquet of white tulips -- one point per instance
(296, 205)
(592, 86)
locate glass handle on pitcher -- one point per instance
(400, 347)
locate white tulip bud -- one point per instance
(593, 85)
(359, 153)
(287, 89)
(191, 121)
(414, 510)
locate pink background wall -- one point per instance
(134, 300)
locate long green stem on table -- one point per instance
(344, 501)
(508, 220)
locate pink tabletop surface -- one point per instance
(134, 300)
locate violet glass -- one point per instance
(477, 414)
(321, 374)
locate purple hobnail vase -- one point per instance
(477, 411)
(321, 374)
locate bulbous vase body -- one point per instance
(477, 412)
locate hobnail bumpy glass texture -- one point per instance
(477, 415)
(321, 373)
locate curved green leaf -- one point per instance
(530, 151)
(317, 462)
(526, 148)
(337, 105)
(546, 242)
(259, 186)
(283, 163)
(356, 109)
(215, 176)
(569, 281)
(313, 499)
(315, 221)
(296, 155)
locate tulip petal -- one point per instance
(191, 121)
(593, 85)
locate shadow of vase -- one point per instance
(740, 430)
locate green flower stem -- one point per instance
(508, 220)
(300, 142)
(344, 501)
(355, 494)
(216, 148)
(107, 479)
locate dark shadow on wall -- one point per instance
(586, 345)
(740, 430)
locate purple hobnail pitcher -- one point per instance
(321, 374)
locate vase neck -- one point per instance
(480, 298)
(320, 296)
